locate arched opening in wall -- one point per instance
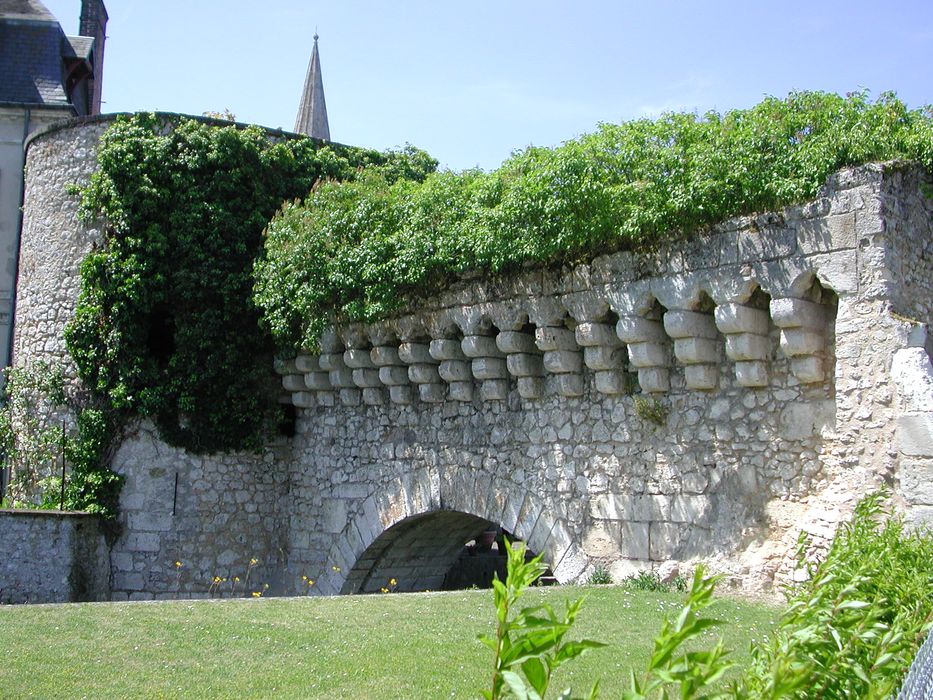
(441, 550)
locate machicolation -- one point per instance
(710, 399)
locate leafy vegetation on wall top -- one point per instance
(166, 326)
(356, 250)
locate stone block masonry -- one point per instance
(786, 352)
(52, 557)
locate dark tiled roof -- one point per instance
(25, 10)
(31, 61)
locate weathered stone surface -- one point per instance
(53, 557)
(915, 434)
(738, 318)
(480, 346)
(555, 339)
(563, 361)
(515, 342)
(648, 355)
(416, 353)
(635, 329)
(521, 365)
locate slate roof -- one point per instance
(32, 50)
(32, 10)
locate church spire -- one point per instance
(312, 112)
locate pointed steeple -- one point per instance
(312, 112)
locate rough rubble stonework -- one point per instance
(53, 558)
(785, 354)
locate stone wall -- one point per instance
(211, 514)
(52, 557)
(766, 347)
(709, 399)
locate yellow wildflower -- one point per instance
(178, 564)
(393, 582)
(336, 568)
(384, 589)
(253, 562)
(236, 579)
(256, 594)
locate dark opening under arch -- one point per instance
(440, 550)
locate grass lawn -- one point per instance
(416, 645)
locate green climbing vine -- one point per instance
(357, 250)
(165, 325)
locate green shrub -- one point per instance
(854, 626)
(37, 434)
(650, 409)
(31, 433)
(358, 250)
(599, 577)
(850, 631)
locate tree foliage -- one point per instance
(357, 250)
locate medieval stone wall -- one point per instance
(52, 557)
(708, 399)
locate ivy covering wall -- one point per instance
(166, 326)
(356, 250)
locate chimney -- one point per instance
(94, 24)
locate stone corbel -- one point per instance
(317, 388)
(562, 358)
(331, 360)
(648, 351)
(696, 346)
(393, 372)
(604, 353)
(803, 329)
(747, 341)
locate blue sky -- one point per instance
(471, 82)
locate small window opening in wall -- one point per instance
(287, 418)
(160, 336)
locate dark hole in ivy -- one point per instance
(160, 337)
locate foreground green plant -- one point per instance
(851, 629)
(361, 250)
(671, 668)
(529, 644)
(854, 626)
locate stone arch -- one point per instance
(428, 515)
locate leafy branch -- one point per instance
(529, 644)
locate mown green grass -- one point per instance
(388, 646)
